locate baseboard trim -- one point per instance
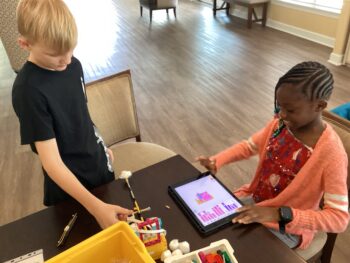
(296, 31)
(336, 59)
(303, 33)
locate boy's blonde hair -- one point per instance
(49, 22)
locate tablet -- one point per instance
(206, 201)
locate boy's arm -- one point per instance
(105, 214)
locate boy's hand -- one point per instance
(107, 214)
(110, 153)
(207, 163)
(252, 213)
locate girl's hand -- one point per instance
(107, 214)
(207, 163)
(252, 213)
(110, 153)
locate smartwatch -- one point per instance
(286, 216)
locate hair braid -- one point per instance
(313, 79)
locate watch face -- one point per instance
(286, 214)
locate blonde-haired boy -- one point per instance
(48, 97)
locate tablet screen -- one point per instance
(208, 199)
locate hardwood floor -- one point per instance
(201, 84)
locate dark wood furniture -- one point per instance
(250, 5)
(252, 243)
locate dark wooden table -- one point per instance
(252, 243)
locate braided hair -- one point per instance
(313, 79)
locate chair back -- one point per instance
(342, 127)
(112, 108)
(166, 3)
(9, 34)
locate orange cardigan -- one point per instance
(323, 175)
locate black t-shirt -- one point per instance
(52, 104)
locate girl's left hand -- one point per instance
(252, 213)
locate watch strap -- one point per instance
(286, 216)
(282, 227)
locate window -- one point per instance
(333, 6)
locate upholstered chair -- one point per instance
(321, 248)
(112, 108)
(157, 5)
(9, 34)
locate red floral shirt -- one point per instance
(285, 156)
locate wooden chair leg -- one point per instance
(214, 7)
(150, 15)
(228, 5)
(250, 17)
(328, 248)
(264, 15)
(255, 16)
(175, 12)
(141, 10)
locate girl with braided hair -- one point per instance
(301, 160)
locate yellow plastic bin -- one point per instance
(115, 244)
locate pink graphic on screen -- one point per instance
(208, 199)
(203, 197)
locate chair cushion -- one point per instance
(134, 156)
(315, 247)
